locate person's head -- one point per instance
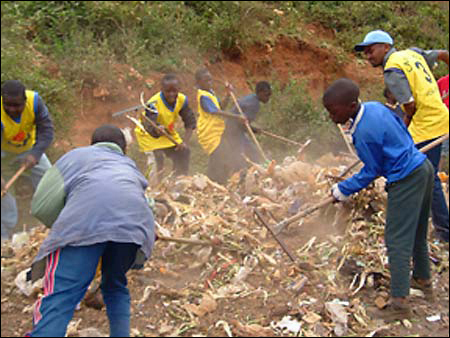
(204, 79)
(170, 87)
(341, 100)
(263, 91)
(109, 133)
(375, 46)
(14, 98)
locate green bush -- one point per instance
(82, 39)
(411, 23)
(291, 112)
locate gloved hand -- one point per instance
(337, 194)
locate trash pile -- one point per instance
(217, 271)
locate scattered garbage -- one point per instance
(339, 255)
(287, 324)
(434, 318)
(19, 240)
(27, 287)
(339, 316)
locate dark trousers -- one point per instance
(180, 159)
(439, 208)
(408, 210)
(229, 157)
(220, 163)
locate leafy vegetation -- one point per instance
(57, 47)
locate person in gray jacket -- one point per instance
(94, 200)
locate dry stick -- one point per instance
(247, 125)
(153, 124)
(194, 242)
(13, 179)
(280, 242)
(186, 241)
(281, 225)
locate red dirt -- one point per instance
(288, 59)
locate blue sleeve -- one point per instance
(208, 105)
(371, 154)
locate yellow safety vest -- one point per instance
(19, 137)
(166, 118)
(431, 119)
(210, 128)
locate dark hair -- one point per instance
(169, 77)
(342, 91)
(200, 73)
(13, 88)
(109, 133)
(263, 86)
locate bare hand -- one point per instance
(181, 146)
(161, 130)
(229, 87)
(29, 161)
(244, 120)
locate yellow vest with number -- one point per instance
(210, 128)
(19, 137)
(431, 119)
(166, 118)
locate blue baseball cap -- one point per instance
(374, 37)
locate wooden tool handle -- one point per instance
(250, 131)
(153, 124)
(281, 138)
(280, 226)
(13, 179)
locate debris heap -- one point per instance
(228, 276)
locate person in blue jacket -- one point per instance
(386, 148)
(94, 200)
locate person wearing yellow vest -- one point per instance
(407, 74)
(26, 132)
(168, 105)
(211, 127)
